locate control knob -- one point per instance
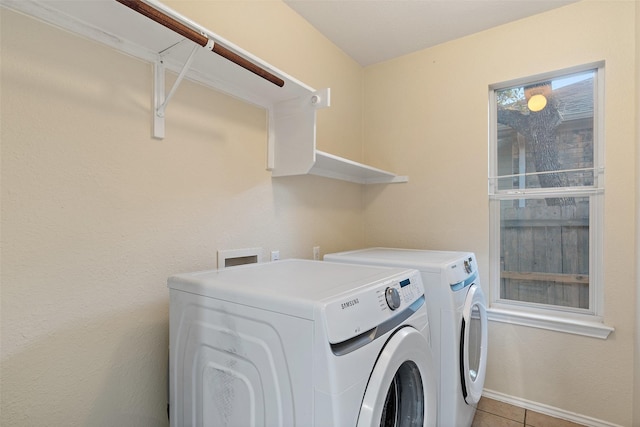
(393, 298)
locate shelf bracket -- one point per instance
(160, 101)
(321, 98)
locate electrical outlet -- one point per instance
(316, 253)
(275, 255)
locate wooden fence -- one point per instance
(545, 253)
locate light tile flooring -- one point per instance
(492, 413)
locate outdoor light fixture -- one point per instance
(536, 96)
(537, 102)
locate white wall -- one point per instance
(96, 214)
(426, 116)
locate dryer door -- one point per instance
(402, 389)
(473, 345)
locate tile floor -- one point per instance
(493, 413)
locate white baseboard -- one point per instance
(547, 410)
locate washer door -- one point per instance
(402, 390)
(473, 345)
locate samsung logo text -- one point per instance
(350, 303)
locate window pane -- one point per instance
(544, 251)
(543, 128)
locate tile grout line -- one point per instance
(503, 417)
(525, 423)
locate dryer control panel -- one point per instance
(463, 272)
(368, 308)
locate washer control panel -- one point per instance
(366, 307)
(401, 291)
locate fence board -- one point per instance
(545, 254)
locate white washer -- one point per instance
(457, 314)
(300, 343)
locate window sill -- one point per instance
(588, 328)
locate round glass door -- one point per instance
(473, 345)
(401, 391)
(404, 404)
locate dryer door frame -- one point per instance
(472, 373)
(406, 357)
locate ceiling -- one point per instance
(372, 31)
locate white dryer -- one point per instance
(300, 343)
(457, 314)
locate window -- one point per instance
(546, 186)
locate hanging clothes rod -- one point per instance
(201, 39)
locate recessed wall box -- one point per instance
(233, 257)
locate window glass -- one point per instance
(545, 133)
(544, 251)
(546, 191)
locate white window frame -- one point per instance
(587, 322)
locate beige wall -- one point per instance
(426, 116)
(636, 394)
(275, 33)
(96, 214)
